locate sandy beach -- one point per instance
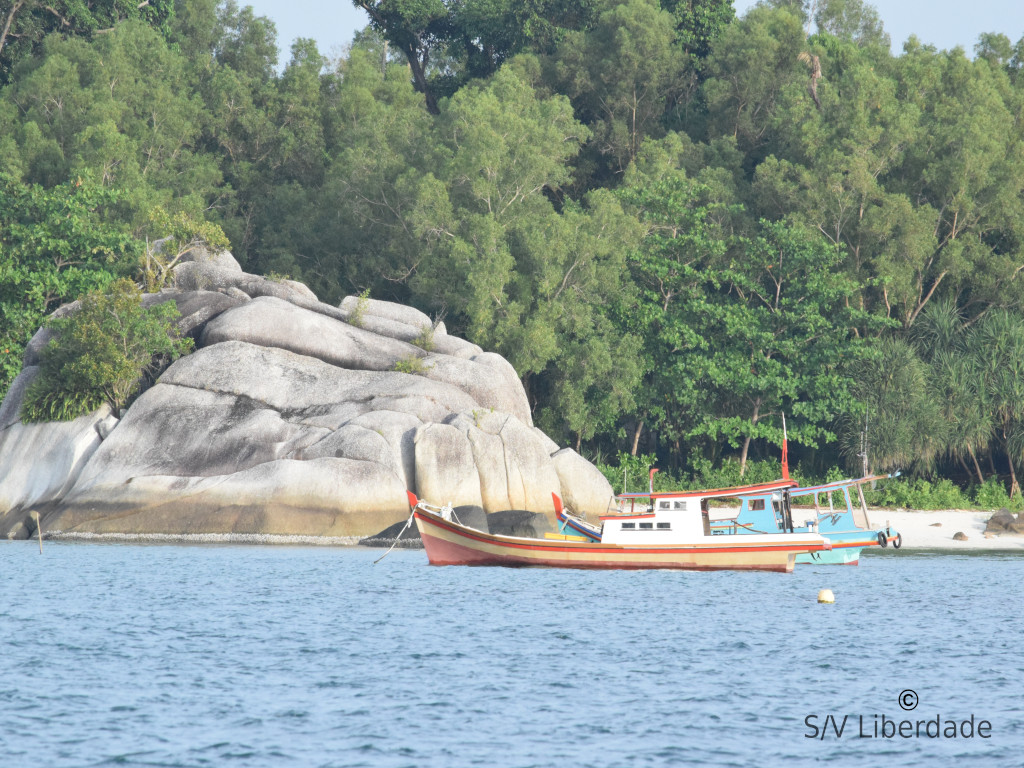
(934, 530)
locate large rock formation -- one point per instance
(292, 417)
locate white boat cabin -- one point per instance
(668, 518)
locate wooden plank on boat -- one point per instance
(564, 537)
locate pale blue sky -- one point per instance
(944, 23)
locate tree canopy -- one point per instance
(677, 224)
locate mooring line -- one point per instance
(397, 538)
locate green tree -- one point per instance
(852, 20)
(181, 233)
(956, 230)
(557, 325)
(246, 43)
(755, 63)
(898, 423)
(621, 76)
(103, 353)
(522, 278)
(494, 162)
(998, 345)
(355, 232)
(119, 111)
(270, 136)
(914, 224)
(55, 245)
(25, 23)
(681, 242)
(834, 158)
(785, 331)
(996, 49)
(944, 342)
(699, 24)
(446, 43)
(738, 329)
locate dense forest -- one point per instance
(675, 223)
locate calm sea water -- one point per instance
(278, 656)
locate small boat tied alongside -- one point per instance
(573, 525)
(772, 508)
(638, 535)
(846, 524)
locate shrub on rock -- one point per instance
(102, 353)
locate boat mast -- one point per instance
(785, 450)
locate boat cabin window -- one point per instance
(664, 526)
(628, 526)
(647, 525)
(679, 505)
(756, 505)
(664, 505)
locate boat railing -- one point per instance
(447, 512)
(629, 505)
(582, 516)
(732, 526)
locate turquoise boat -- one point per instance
(573, 525)
(846, 525)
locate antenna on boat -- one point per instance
(650, 480)
(785, 450)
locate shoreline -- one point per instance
(931, 530)
(919, 529)
(203, 538)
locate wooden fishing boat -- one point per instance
(767, 509)
(668, 533)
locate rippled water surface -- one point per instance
(279, 656)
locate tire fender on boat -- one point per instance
(898, 541)
(883, 540)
